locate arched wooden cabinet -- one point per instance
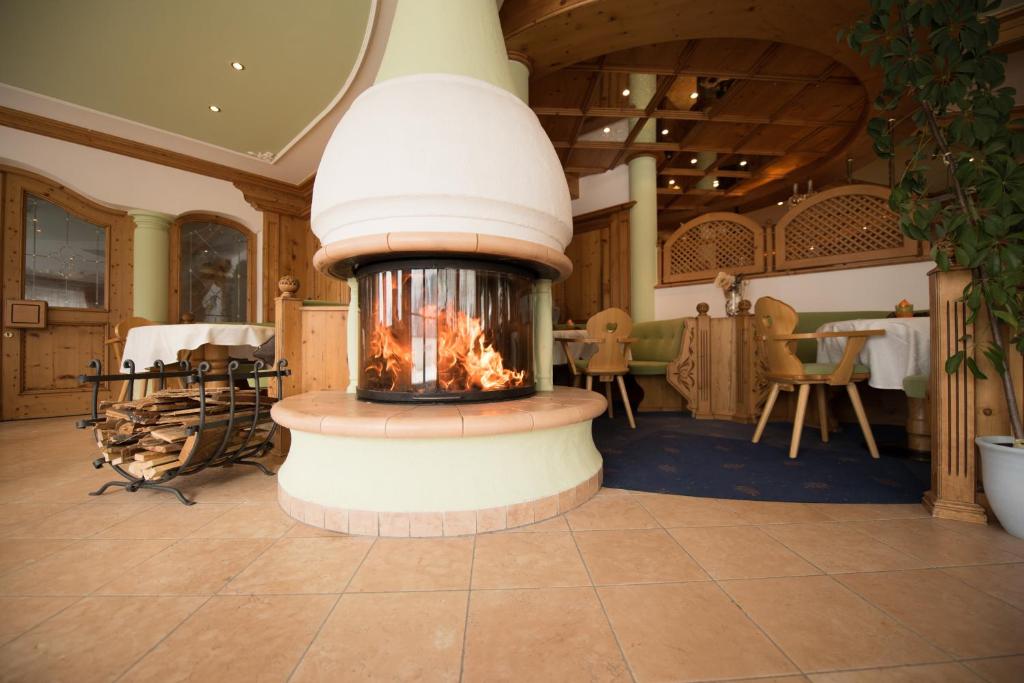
(212, 269)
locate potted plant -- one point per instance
(942, 79)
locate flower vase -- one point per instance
(733, 296)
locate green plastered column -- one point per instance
(643, 215)
(352, 335)
(447, 36)
(151, 258)
(543, 336)
(519, 69)
(704, 162)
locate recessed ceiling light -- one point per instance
(237, 66)
(625, 92)
(214, 108)
(714, 183)
(780, 203)
(743, 163)
(971, 159)
(607, 129)
(693, 160)
(671, 181)
(664, 131)
(694, 95)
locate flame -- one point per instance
(466, 361)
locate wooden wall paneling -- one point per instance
(599, 252)
(324, 349)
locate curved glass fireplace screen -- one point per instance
(445, 330)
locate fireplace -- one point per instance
(445, 330)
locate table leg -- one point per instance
(217, 356)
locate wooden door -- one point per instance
(75, 255)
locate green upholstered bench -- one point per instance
(657, 343)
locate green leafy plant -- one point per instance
(942, 79)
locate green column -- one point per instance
(643, 215)
(704, 161)
(151, 265)
(520, 72)
(352, 334)
(447, 36)
(543, 336)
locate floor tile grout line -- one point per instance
(604, 610)
(162, 639)
(78, 599)
(943, 571)
(469, 600)
(273, 542)
(896, 619)
(730, 598)
(330, 612)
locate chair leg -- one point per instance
(590, 382)
(608, 396)
(862, 418)
(123, 394)
(798, 420)
(773, 394)
(576, 381)
(820, 391)
(625, 401)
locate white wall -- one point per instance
(602, 190)
(859, 289)
(128, 183)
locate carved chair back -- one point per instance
(775, 318)
(610, 330)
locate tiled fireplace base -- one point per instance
(430, 470)
(432, 524)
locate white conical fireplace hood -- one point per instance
(439, 156)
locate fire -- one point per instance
(466, 360)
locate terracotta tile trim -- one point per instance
(433, 524)
(338, 258)
(342, 414)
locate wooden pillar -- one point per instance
(954, 486)
(288, 335)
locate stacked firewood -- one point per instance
(150, 436)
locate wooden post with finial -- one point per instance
(288, 332)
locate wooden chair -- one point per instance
(775, 322)
(610, 330)
(121, 330)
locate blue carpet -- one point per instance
(671, 453)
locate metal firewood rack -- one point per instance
(208, 442)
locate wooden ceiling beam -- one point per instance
(585, 103)
(698, 173)
(612, 145)
(718, 73)
(686, 115)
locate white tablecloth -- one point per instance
(162, 342)
(577, 349)
(903, 351)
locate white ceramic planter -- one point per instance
(1003, 468)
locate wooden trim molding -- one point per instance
(259, 191)
(594, 220)
(174, 311)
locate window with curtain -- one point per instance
(214, 273)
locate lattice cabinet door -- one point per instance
(849, 224)
(712, 243)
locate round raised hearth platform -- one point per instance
(437, 470)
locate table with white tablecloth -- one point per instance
(578, 349)
(904, 349)
(217, 342)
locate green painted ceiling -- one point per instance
(164, 62)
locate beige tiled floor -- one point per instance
(643, 587)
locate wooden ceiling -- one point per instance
(764, 112)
